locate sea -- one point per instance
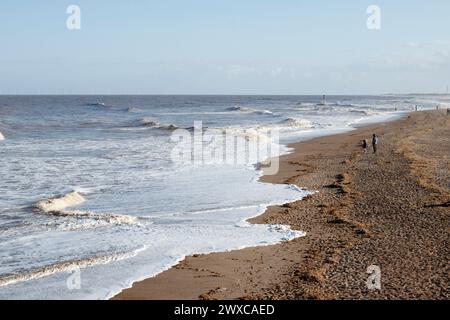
(93, 199)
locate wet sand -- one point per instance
(389, 210)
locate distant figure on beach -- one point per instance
(415, 108)
(448, 111)
(374, 143)
(365, 145)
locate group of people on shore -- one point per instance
(365, 145)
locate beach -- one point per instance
(388, 211)
(225, 151)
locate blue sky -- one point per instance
(224, 47)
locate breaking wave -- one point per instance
(262, 133)
(249, 134)
(296, 123)
(356, 108)
(134, 110)
(2, 137)
(149, 122)
(57, 207)
(362, 112)
(289, 124)
(249, 110)
(65, 267)
(61, 203)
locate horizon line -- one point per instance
(217, 94)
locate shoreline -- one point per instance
(298, 268)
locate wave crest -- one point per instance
(296, 122)
(57, 206)
(362, 112)
(289, 124)
(149, 122)
(61, 203)
(133, 110)
(2, 137)
(249, 134)
(65, 267)
(249, 110)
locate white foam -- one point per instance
(165, 245)
(250, 134)
(57, 206)
(134, 110)
(296, 123)
(150, 122)
(249, 110)
(64, 267)
(61, 203)
(288, 124)
(109, 218)
(2, 137)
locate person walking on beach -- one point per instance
(374, 143)
(365, 145)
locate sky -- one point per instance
(224, 47)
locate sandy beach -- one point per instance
(389, 210)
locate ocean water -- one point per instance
(91, 199)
